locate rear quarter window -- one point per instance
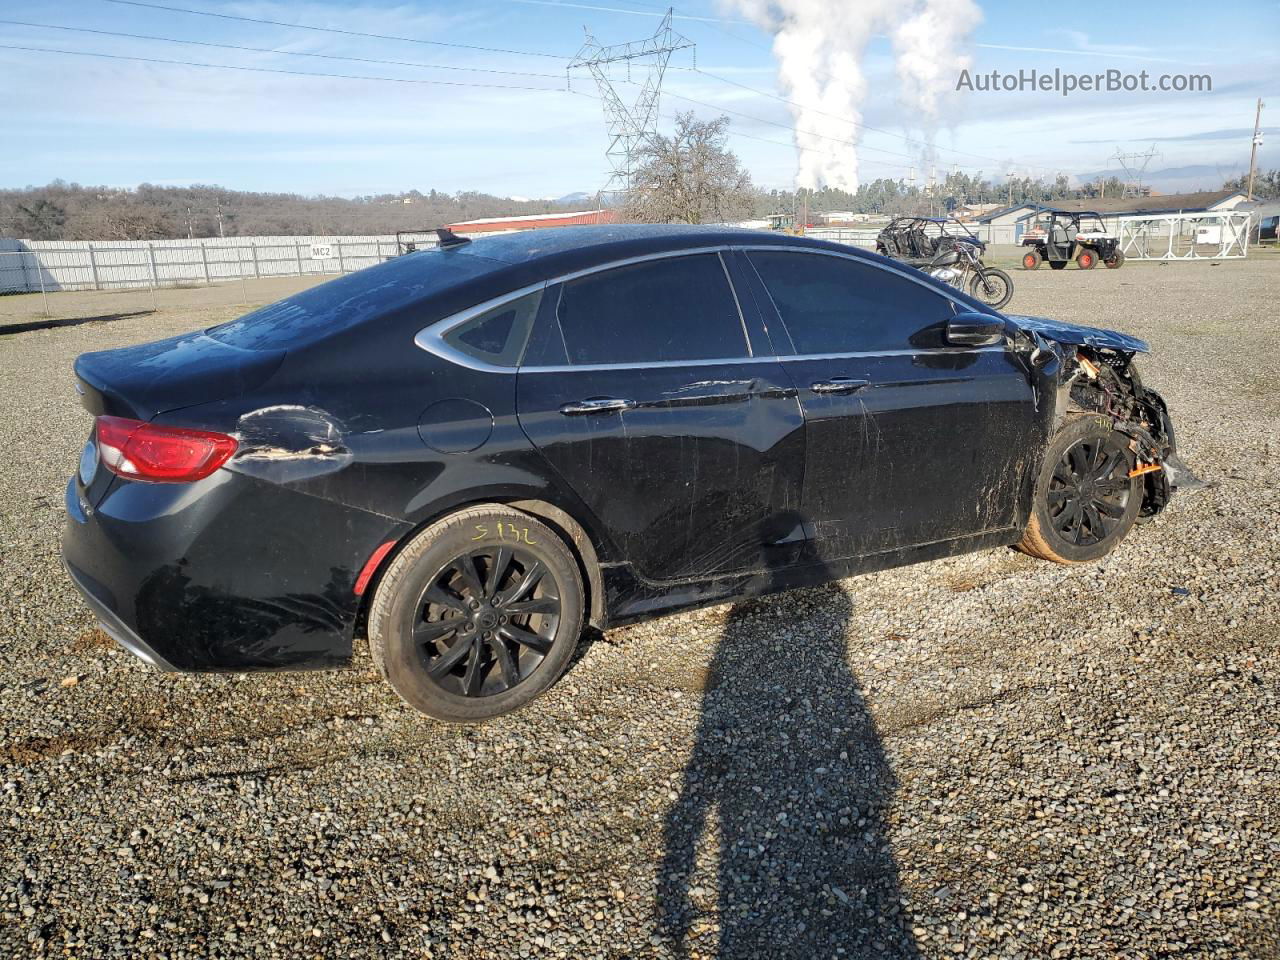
(358, 297)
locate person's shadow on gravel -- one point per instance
(776, 846)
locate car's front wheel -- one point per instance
(1085, 500)
(479, 614)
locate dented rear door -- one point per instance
(647, 399)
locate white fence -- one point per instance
(35, 265)
(1222, 235)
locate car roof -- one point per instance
(564, 249)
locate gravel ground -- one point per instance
(988, 756)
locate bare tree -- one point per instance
(689, 177)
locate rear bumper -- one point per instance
(229, 573)
(96, 596)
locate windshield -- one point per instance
(342, 303)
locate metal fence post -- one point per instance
(93, 266)
(151, 258)
(44, 294)
(204, 262)
(253, 248)
(297, 253)
(342, 267)
(244, 288)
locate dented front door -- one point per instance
(909, 440)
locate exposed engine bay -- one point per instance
(1095, 374)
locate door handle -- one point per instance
(838, 385)
(597, 405)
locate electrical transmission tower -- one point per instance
(1134, 166)
(629, 125)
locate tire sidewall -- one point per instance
(398, 655)
(1081, 428)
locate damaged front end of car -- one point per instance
(1091, 371)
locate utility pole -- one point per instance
(221, 235)
(190, 233)
(1257, 142)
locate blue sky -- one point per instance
(121, 122)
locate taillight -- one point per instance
(148, 451)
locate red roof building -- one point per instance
(508, 224)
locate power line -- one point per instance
(286, 53)
(348, 33)
(707, 21)
(294, 73)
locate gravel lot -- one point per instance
(988, 756)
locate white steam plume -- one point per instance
(819, 46)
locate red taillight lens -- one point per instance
(147, 451)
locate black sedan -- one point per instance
(464, 455)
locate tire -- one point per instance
(1058, 264)
(1116, 262)
(1031, 260)
(1087, 449)
(1087, 260)
(1001, 288)
(450, 642)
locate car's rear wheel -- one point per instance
(1085, 501)
(479, 614)
(1087, 260)
(1031, 260)
(1116, 262)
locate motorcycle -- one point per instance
(959, 264)
(945, 248)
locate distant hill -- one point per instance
(69, 211)
(1186, 179)
(576, 199)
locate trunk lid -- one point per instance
(152, 378)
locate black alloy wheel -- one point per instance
(477, 614)
(1086, 499)
(1089, 493)
(486, 621)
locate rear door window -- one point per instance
(832, 304)
(660, 311)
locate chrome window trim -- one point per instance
(742, 317)
(431, 337)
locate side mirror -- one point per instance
(975, 330)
